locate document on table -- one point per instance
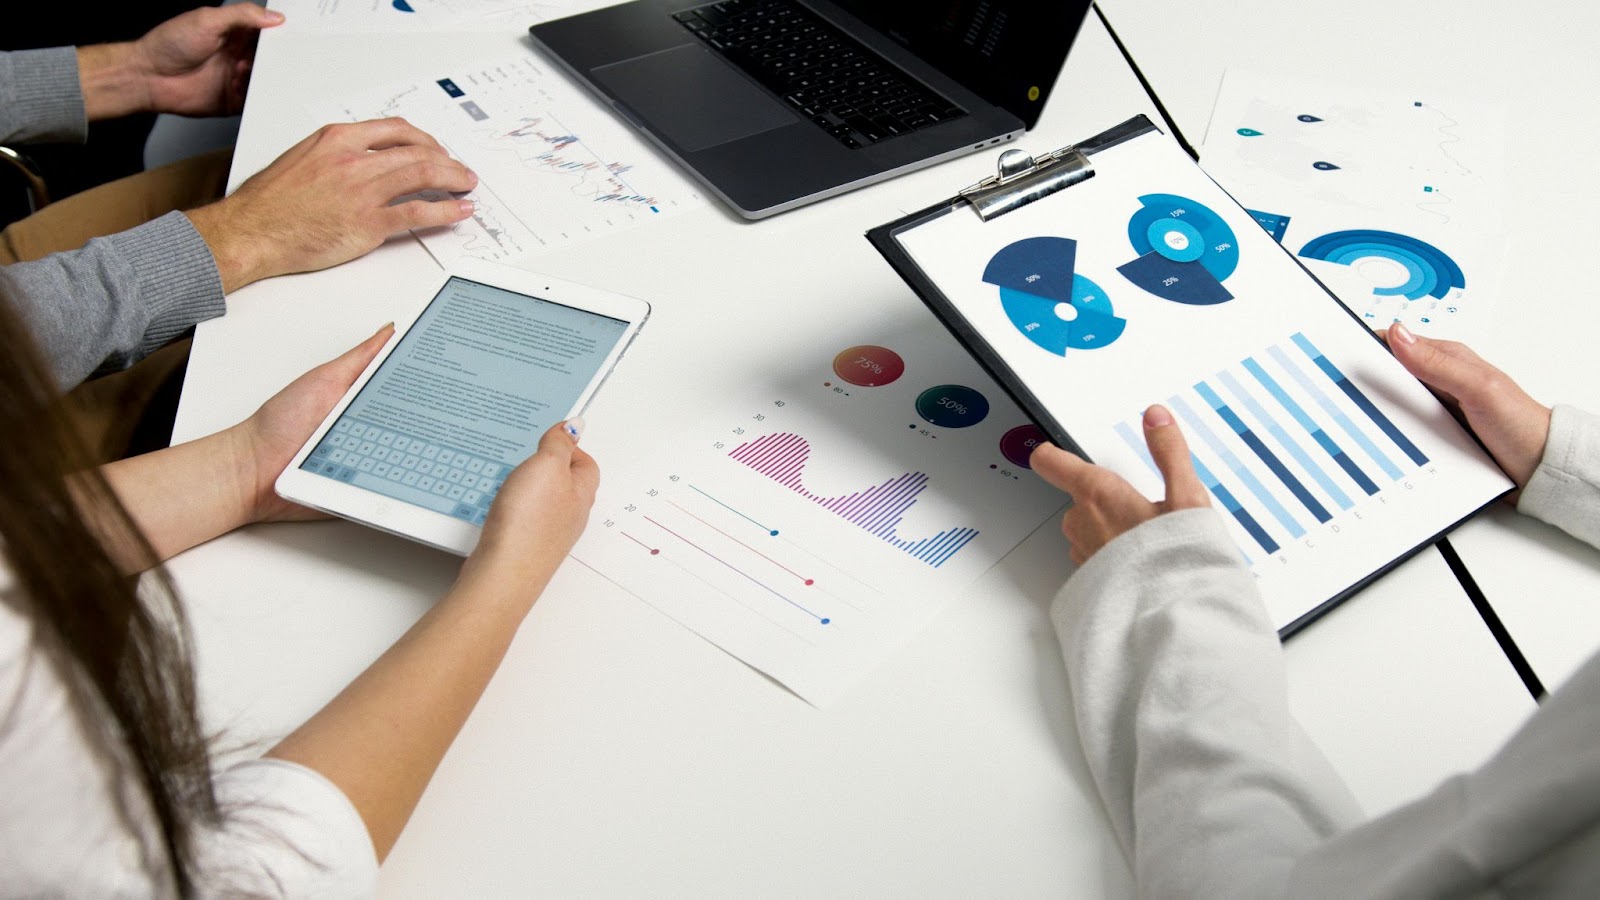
(553, 165)
(813, 526)
(1393, 201)
(358, 16)
(1146, 283)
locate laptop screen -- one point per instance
(1006, 51)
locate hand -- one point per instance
(330, 198)
(1104, 505)
(199, 62)
(1511, 424)
(265, 443)
(539, 513)
(195, 64)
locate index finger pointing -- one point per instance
(1060, 468)
(1171, 454)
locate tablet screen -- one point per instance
(465, 397)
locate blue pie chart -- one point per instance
(1050, 303)
(1185, 250)
(1429, 270)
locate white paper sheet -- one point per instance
(813, 526)
(387, 16)
(553, 166)
(1370, 189)
(1146, 284)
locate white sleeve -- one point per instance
(1180, 696)
(1565, 489)
(287, 832)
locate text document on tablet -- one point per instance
(1143, 282)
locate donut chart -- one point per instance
(1429, 270)
(1185, 251)
(1048, 301)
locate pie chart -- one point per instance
(1185, 251)
(1429, 271)
(1047, 300)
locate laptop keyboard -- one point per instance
(439, 477)
(850, 91)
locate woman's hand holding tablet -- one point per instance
(421, 443)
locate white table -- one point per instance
(617, 754)
(1539, 62)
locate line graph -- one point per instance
(807, 530)
(553, 167)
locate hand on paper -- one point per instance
(195, 64)
(266, 442)
(538, 514)
(1511, 424)
(1104, 505)
(331, 198)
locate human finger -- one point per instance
(383, 134)
(1090, 486)
(416, 169)
(1446, 366)
(347, 366)
(1060, 468)
(425, 214)
(559, 440)
(1170, 451)
(244, 16)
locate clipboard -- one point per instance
(1097, 279)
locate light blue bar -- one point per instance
(1282, 436)
(1206, 478)
(1238, 467)
(1361, 400)
(1328, 406)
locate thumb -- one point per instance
(1442, 365)
(561, 439)
(352, 362)
(1170, 452)
(247, 15)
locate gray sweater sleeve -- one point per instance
(1565, 489)
(119, 298)
(40, 97)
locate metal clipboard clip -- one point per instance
(1022, 179)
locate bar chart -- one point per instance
(1286, 440)
(879, 510)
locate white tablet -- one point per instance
(421, 442)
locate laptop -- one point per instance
(773, 104)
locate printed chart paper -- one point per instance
(811, 528)
(1146, 284)
(400, 16)
(1393, 202)
(553, 167)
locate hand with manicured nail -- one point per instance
(1104, 504)
(1512, 425)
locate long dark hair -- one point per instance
(122, 650)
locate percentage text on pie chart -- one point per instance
(869, 366)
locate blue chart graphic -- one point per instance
(1429, 270)
(1047, 300)
(1267, 429)
(1275, 224)
(1185, 251)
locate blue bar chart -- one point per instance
(1286, 440)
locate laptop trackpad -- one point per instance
(692, 97)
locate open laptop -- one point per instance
(777, 103)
